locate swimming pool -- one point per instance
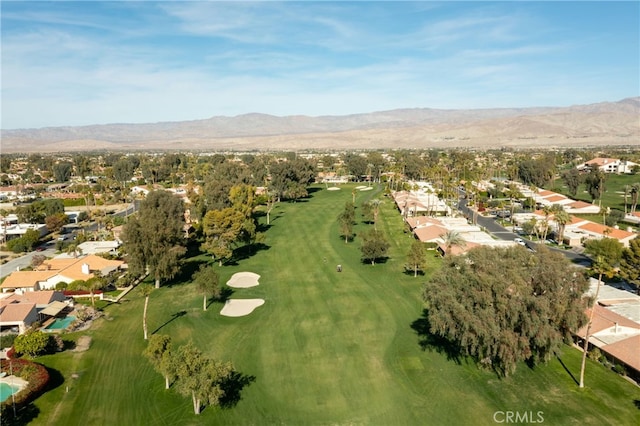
(6, 390)
(61, 323)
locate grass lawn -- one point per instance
(326, 347)
(613, 196)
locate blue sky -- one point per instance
(79, 63)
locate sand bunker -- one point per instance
(240, 307)
(333, 188)
(367, 188)
(244, 280)
(360, 187)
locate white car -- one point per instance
(520, 241)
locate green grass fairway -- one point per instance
(613, 196)
(326, 348)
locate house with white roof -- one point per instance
(608, 165)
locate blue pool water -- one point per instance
(6, 390)
(61, 323)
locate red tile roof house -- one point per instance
(596, 230)
(616, 336)
(56, 270)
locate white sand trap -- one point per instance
(360, 187)
(333, 188)
(240, 307)
(243, 280)
(367, 188)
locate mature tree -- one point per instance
(5, 164)
(222, 228)
(346, 220)
(608, 249)
(82, 165)
(56, 221)
(374, 246)
(37, 260)
(288, 177)
(630, 263)
(158, 351)
(154, 240)
(606, 254)
(536, 171)
(356, 165)
(595, 182)
(416, 258)
(37, 211)
(207, 282)
(62, 171)
(146, 290)
(32, 343)
(27, 242)
(634, 191)
(501, 306)
(199, 377)
(572, 178)
(123, 170)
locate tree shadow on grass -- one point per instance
(636, 402)
(433, 342)
(378, 261)
(55, 379)
(173, 318)
(187, 270)
(24, 415)
(245, 252)
(225, 294)
(232, 387)
(568, 371)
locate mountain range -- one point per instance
(600, 124)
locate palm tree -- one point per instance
(635, 190)
(601, 268)
(561, 218)
(626, 194)
(547, 210)
(513, 193)
(146, 291)
(452, 238)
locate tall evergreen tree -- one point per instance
(154, 240)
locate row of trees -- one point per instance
(189, 371)
(374, 243)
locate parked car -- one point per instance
(520, 241)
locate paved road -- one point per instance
(24, 261)
(493, 227)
